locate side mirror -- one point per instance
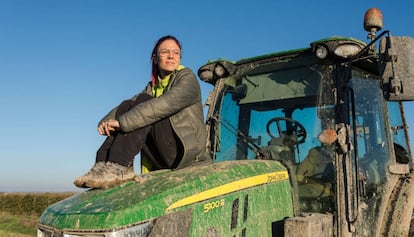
(397, 67)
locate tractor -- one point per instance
(305, 142)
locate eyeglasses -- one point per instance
(163, 53)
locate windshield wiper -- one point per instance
(261, 154)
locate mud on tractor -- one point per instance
(305, 142)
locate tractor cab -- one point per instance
(332, 114)
(277, 111)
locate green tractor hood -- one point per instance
(165, 192)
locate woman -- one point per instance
(165, 122)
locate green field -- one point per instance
(19, 212)
(17, 225)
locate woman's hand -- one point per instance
(106, 127)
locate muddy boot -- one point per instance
(94, 173)
(113, 174)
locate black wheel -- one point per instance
(295, 128)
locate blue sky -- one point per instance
(65, 64)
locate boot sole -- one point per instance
(105, 184)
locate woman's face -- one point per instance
(168, 57)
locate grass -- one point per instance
(17, 225)
(20, 212)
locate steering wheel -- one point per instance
(297, 128)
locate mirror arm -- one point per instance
(369, 46)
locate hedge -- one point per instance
(29, 203)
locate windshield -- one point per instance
(282, 115)
(276, 106)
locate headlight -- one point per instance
(321, 52)
(219, 70)
(347, 50)
(84, 235)
(44, 233)
(338, 47)
(142, 230)
(206, 75)
(213, 71)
